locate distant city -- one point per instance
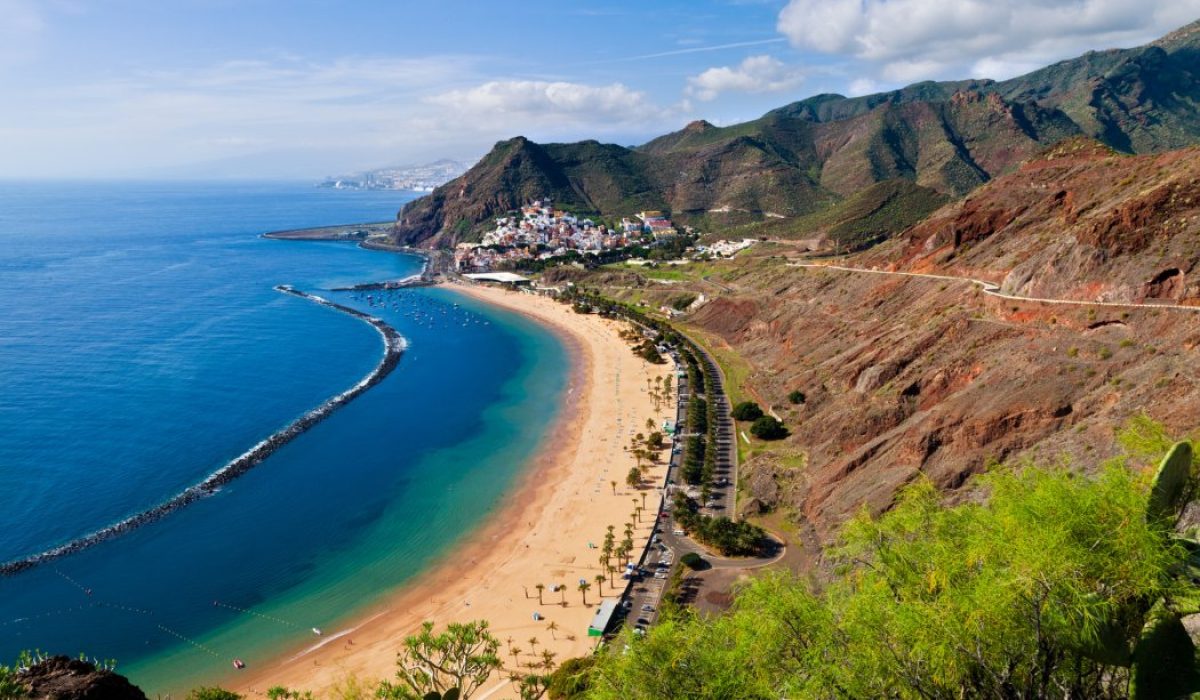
(417, 178)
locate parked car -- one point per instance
(648, 608)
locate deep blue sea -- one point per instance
(142, 347)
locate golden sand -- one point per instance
(564, 503)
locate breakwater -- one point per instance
(411, 281)
(394, 345)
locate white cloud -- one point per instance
(543, 100)
(291, 117)
(755, 74)
(908, 40)
(862, 86)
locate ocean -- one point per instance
(142, 347)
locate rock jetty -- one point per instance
(394, 345)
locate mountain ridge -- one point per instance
(804, 157)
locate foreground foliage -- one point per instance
(459, 659)
(1024, 596)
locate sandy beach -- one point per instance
(549, 532)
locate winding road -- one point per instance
(993, 289)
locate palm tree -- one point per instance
(643, 500)
(516, 653)
(552, 627)
(612, 571)
(540, 588)
(548, 659)
(562, 588)
(614, 487)
(599, 578)
(583, 589)
(533, 642)
(650, 424)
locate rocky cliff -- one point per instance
(1078, 222)
(907, 376)
(62, 678)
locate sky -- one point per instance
(307, 88)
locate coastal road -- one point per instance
(993, 289)
(724, 488)
(660, 557)
(645, 589)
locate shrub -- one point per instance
(797, 397)
(1010, 597)
(570, 680)
(692, 560)
(212, 693)
(747, 410)
(768, 428)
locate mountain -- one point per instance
(1080, 221)
(800, 159)
(906, 377)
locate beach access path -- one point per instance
(549, 531)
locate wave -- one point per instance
(394, 346)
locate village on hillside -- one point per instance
(540, 232)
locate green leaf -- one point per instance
(1164, 662)
(1170, 484)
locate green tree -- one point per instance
(462, 658)
(747, 411)
(768, 428)
(634, 478)
(797, 397)
(1015, 596)
(212, 693)
(279, 692)
(584, 586)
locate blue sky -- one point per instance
(258, 88)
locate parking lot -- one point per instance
(643, 599)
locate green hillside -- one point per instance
(803, 158)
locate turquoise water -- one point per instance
(142, 347)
